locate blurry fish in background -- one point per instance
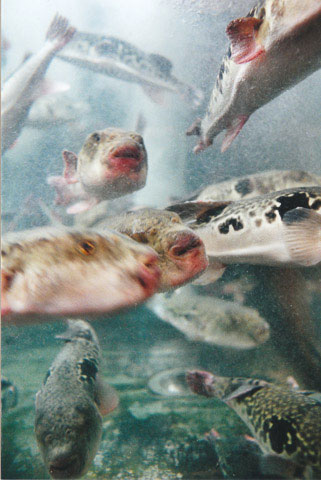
(281, 228)
(238, 456)
(119, 59)
(5, 46)
(272, 49)
(110, 164)
(210, 7)
(56, 271)
(181, 253)
(170, 383)
(284, 422)
(70, 404)
(208, 319)
(250, 186)
(27, 83)
(55, 110)
(9, 395)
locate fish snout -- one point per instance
(200, 382)
(65, 465)
(149, 273)
(189, 249)
(127, 156)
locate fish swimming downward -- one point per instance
(27, 83)
(181, 253)
(273, 48)
(285, 423)
(110, 164)
(250, 186)
(279, 228)
(67, 271)
(208, 319)
(70, 404)
(119, 59)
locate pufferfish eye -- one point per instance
(96, 137)
(86, 247)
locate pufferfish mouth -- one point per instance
(67, 467)
(126, 158)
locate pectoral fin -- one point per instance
(106, 396)
(242, 33)
(233, 131)
(82, 206)
(302, 234)
(213, 272)
(70, 172)
(278, 467)
(198, 212)
(243, 390)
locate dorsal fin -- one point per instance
(198, 212)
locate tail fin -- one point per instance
(60, 32)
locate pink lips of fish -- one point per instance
(59, 275)
(188, 253)
(125, 162)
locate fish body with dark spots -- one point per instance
(279, 228)
(26, 84)
(70, 404)
(110, 164)
(210, 320)
(180, 251)
(256, 184)
(274, 34)
(284, 422)
(119, 59)
(58, 271)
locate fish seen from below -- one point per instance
(27, 83)
(110, 164)
(119, 59)
(273, 48)
(211, 320)
(70, 404)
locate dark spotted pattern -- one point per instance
(88, 369)
(281, 434)
(290, 202)
(236, 224)
(244, 186)
(316, 205)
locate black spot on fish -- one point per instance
(258, 222)
(271, 216)
(244, 187)
(88, 369)
(282, 435)
(236, 224)
(252, 213)
(290, 202)
(316, 205)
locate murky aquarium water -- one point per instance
(161, 239)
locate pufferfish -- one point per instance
(285, 423)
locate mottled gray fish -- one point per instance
(24, 86)
(68, 271)
(110, 164)
(180, 251)
(273, 48)
(119, 59)
(9, 394)
(280, 228)
(285, 422)
(70, 403)
(56, 110)
(211, 320)
(260, 183)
